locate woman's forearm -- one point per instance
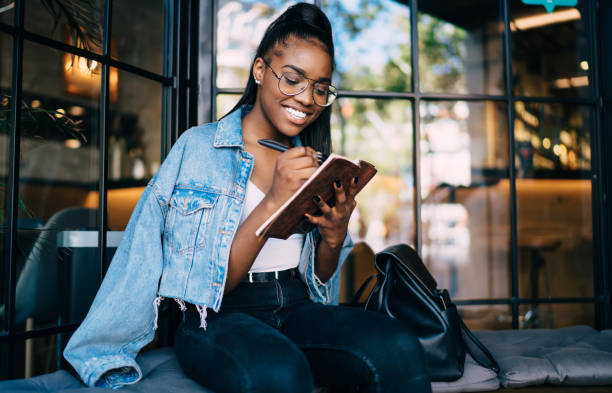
(326, 260)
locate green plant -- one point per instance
(24, 208)
(82, 17)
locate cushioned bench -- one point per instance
(577, 355)
(161, 374)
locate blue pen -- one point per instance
(272, 144)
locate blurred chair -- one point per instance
(36, 293)
(359, 265)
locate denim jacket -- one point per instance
(176, 245)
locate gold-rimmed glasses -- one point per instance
(291, 84)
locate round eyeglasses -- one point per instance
(291, 84)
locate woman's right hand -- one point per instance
(293, 168)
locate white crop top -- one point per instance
(276, 254)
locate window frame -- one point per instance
(601, 269)
(179, 111)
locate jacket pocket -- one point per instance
(187, 216)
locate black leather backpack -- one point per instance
(406, 290)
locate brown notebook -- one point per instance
(289, 218)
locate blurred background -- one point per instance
(483, 118)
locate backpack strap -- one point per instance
(470, 341)
(361, 290)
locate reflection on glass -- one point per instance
(554, 209)
(137, 33)
(458, 52)
(74, 23)
(6, 12)
(35, 356)
(4, 358)
(552, 140)
(58, 173)
(372, 43)
(134, 145)
(225, 103)
(380, 132)
(465, 194)
(558, 315)
(553, 158)
(6, 46)
(240, 27)
(549, 51)
(487, 317)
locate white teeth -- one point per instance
(296, 113)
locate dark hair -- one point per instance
(304, 21)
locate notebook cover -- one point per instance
(291, 220)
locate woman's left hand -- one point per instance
(333, 223)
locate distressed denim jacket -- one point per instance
(176, 245)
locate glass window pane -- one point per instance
(240, 27)
(6, 11)
(372, 43)
(6, 46)
(74, 23)
(465, 194)
(556, 315)
(137, 33)
(59, 171)
(461, 47)
(32, 357)
(550, 52)
(552, 140)
(554, 208)
(3, 361)
(380, 132)
(225, 103)
(487, 317)
(134, 145)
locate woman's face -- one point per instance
(289, 115)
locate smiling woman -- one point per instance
(193, 238)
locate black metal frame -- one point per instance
(603, 47)
(601, 169)
(179, 103)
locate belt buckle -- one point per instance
(276, 274)
(250, 277)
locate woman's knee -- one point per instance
(280, 370)
(395, 349)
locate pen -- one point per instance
(272, 144)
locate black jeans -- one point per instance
(270, 337)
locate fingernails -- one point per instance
(316, 198)
(355, 179)
(337, 183)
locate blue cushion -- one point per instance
(160, 369)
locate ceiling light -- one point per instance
(72, 143)
(563, 83)
(544, 19)
(76, 110)
(584, 65)
(566, 83)
(580, 81)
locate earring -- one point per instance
(257, 82)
